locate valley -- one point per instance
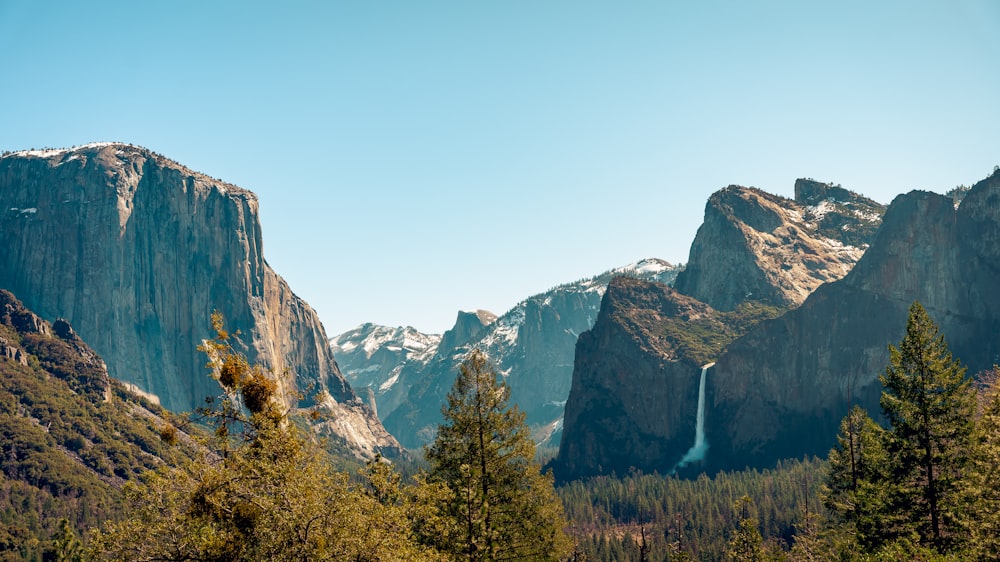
(732, 371)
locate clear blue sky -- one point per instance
(417, 158)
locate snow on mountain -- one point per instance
(531, 345)
(373, 355)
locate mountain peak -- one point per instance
(755, 246)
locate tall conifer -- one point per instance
(854, 490)
(504, 508)
(930, 407)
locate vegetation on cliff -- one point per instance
(702, 339)
(70, 436)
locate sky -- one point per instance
(413, 159)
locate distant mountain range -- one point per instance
(406, 374)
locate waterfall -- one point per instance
(697, 451)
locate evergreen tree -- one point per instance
(854, 490)
(746, 544)
(983, 492)
(930, 407)
(502, 506)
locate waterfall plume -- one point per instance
(697, 451)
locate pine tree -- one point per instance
(502, 506)
(855, 489)
(929, 405)
(746, 544)
(983, 493)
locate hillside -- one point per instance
(71, 435)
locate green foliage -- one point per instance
(918, 489)
(70, 437)
(746, 544)
(853, 492)
(691, 519)
(500, 505)
(268, 493)
(982, 492)
(930, 407)
(704, 338)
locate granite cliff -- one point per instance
(781, 390)
(636, 374)
(136, 251)
(761, 247)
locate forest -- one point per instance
(252, 485)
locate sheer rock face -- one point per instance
(634, 390)
(418, 393)
(761, 247)
(635, 380)
(136, 251)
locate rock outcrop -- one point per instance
(754, 246)
(72, 435)
(136, 251)
(635, 380)
(56, 348)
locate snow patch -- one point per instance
(875, 217)
(389, 382)
(51, 152)
(821, 209)
(345, 346)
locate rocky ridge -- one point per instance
(761, 247)
(136, 251)
(373, 358)
(636, 374)
(781, 390)
(72, 435)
